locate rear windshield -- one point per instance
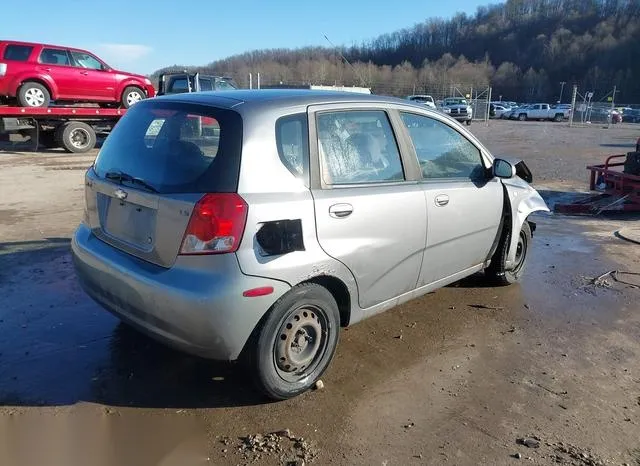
(175, 147)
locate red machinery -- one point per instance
(620, 189)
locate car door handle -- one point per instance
(46, 69)
(84, 73)
(340, 210)
(442, 200)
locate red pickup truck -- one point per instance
(36, 74)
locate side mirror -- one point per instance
(503, 169)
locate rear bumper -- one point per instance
(195, 306)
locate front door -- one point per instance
(368, 216)
(463, 200)
(96, 82)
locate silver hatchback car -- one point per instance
(254, 224)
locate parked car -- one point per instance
(631, 115)
(36, 74)
(178, 83)
(458, 108)
(512, 114)
(541, 112)
(423, 99)
(303, 212)
(497, 111)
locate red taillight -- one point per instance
(216, 225)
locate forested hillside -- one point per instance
(524, 49)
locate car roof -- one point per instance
(39, 44)
(278, 98)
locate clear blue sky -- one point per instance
(142, 36)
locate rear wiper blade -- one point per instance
(121, 176)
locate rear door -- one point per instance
(370, 215)
(174, 162)
(96, 82)
(56, 62)
(463, 200)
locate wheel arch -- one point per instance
(340, 293)
(49, 84)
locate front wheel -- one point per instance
(296, 342)
(131, 96)
(468, 122)
(496, 272)
(522, 117)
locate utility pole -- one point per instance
(562, 83)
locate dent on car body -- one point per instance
(523, 200)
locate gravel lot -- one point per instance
(547, 370)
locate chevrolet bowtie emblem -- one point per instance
(120, 194)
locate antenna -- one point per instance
(362, 81)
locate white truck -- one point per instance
(542, 112)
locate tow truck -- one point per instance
(74, 128)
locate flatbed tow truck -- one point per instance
(74, 128)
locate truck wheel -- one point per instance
(496, 272)
(558, 117)
(468, 122)
(296, 342)
(32, 94)
(76, 137)
(131, 96)
(522, 117)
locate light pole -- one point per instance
(562, 83)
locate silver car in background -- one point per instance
(253, 225)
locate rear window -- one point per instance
(17, 52)
(176, 147)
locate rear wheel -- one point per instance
(558, 117)
(32, 94)
(131, 96)
(496, 272)
(76, 137)
(522, 117)
(296, 342)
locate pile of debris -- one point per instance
(292, 450)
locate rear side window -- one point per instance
(17, 52)
(176, 147)
(54, 57)
(206, 84)
(180, 85)
(293, 144)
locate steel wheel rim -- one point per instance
(521, 252)
(34, 97)
(133, 97)
(300, 343)
(79, 138)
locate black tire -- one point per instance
(76, 137)
(33, 94)
(522, 117)
(132, 95)
(496, 272)
(468, 122)
(281, 369)
(558, 117)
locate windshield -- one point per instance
(455, 102)
(175, 148)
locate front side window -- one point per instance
(443, 152)
(358, 147)
(85, 60)
(55, 57)
(17, 52)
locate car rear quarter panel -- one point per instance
(274, 193)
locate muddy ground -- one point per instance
(456, 377)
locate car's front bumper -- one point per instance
(196, 305)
